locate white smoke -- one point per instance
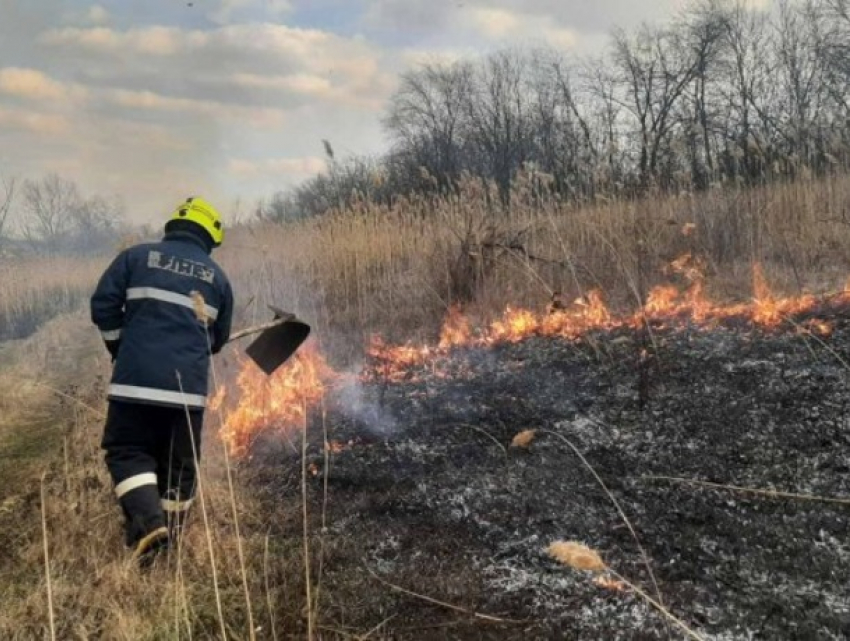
(354, 403)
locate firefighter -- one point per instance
(162, 309)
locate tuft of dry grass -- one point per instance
(524, 439)
(577, 556)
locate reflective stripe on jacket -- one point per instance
(147, 304)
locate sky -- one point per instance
(154, 100)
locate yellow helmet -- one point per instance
(200, 212)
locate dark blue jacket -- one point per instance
(146, 306)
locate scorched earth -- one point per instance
(415, 490)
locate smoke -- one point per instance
(355, 404)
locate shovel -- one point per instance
(278, 339)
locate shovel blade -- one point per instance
(273, 347)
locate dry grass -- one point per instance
(35, 289)
(578, 556)
(392, 270)
(78, 580)
(524, 439)
(95, 591)
(396, 270)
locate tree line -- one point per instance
(723, 93)
(55, 217)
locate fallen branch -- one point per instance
(456, 608)
(748, 490)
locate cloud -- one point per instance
(257, 64)
(495, 23)
(437, 22)
(415, 56)
(414, 16)
(227, 9)
(148, 100)
(150, 41)
(287, 167)
(97, 15)
(34, 122)
(233, 97)
(301, 83)
(30, 84)
(501, 24)
(229, 110)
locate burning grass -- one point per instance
(398, 271)
(280, 403)
(748, 394)
(456, 505)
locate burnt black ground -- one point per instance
(432, 498)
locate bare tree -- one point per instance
(747, 72)
(702, 30)
(49, 207)
(656, 67)
(801, 92)
(6, 205)
(833, 48)
(426, 117)
(728, 90)
(499, 119)
(59, 219)
(563, 143)
(605, 108)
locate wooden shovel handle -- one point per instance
(256, 329)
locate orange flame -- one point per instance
(280, 402)
(456, 329)
(610, 584)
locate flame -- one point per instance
(515, 325)
(456, 329)
(395, 362)
(335, 447)
(610, 584)
(278, 402)
(281, 402)
(661, 300)
(217, 399)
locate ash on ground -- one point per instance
(445, 507)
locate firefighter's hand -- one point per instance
(112, 347)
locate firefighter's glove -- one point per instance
(112, 347)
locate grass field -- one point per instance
(388, 270)
(396, 270)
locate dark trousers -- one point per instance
(151, 458)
